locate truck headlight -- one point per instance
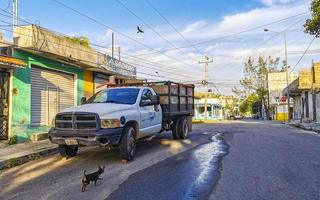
(110, 123)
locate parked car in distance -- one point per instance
(235, 117)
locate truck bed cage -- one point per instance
(176, 99)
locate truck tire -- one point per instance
(128, 144)
(184, 128)
(68, 151)
(175, 129)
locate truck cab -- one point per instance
(113, 117)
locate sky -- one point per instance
(227, 31)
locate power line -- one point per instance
(108, 27)
(233, 34)
(304, 53)
(173, 27)
(88, 62)
(150, 27)
(90, 52)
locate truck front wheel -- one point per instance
(68, 151)
(128, 144)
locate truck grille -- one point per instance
(77, 121)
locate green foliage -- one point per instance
(255, 79)
(80, 40)
(13, 140)
(312, 26)
(248, 106)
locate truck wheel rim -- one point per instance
(132, 144)
(185, 129)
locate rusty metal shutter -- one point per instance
(51, 91)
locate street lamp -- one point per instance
(286, 65)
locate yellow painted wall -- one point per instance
(88, 84)
(282, 117)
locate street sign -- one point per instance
(283, 99)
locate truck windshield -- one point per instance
(121, 96)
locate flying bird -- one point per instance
(139, 30)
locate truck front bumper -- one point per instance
(102, 137)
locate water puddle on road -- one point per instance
(208, 158)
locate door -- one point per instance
(4, 104)
(51, 92)
(150, 115)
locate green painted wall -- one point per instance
(21, 93)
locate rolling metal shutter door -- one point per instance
(51, 91)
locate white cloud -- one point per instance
(195, 27)
(275, 2)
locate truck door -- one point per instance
(150, 115)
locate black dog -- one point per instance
(87, 178)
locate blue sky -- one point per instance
(196, 20)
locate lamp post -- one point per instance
(286, 66)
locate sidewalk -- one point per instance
(313, 126)
(18, 154)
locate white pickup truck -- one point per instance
(121, 115)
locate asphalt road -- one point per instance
(263, 161)
(227, 160)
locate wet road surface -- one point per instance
(188, 175)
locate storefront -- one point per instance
(7, 65)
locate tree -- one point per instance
(248, 106)
(80, 40)
(312, 26)
(255, 79)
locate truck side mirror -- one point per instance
(155, 100)
(83, 100)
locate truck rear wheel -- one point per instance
(180, 129)
(175, 129)
(184, 129)
(128, 144)
(68, 151)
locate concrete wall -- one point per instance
(281, 113)
(21, 93)
(31, 36)
(277, 81)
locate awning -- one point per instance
(7, 61)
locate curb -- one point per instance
(317, 131)
(4, 164)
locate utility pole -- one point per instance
(15, 12)
(112, 46)
(205, 83)
(119, 53)
(286, 67)
(287, 73)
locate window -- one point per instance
(146, 96)
(119, 95)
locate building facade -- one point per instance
(277, 102)
(214, 109)
(53, 73)
(305, 91)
